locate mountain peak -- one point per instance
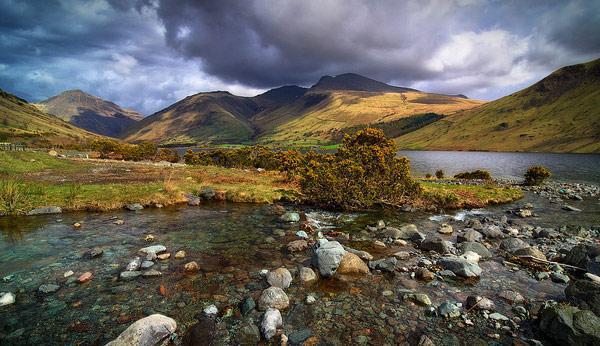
(355, 82)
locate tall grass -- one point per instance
(14, 196)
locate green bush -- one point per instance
(478, 174)
(536, 175)
(364, 172)
(428, 176)
(439, 174)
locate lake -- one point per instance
(582, 168)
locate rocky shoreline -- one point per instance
(496, 276)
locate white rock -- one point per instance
(68, 273)
(271, 321)
(148, 331)
(310, 299)
(328, 256)
(471, 256)
(7, 298)
(134, 265)
(210, 310)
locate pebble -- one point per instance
(301, 234)
(310, 299)
(279, 277)
(85, 277)
(180, 254)
(134, 265)
(147, 264)
(498, 316)
(163, 256)
(151, 273)
(559, 277)
(48, 288)
(307, 275)
(68, 273)
(153, 248)
(126, 275)
(271, 321)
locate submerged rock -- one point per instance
(270, 322)
(153, 249)
(279, 277)
(362, 254)
(149, 331)
(191, 267)
(328, 256)
(297, 245)
(273, 297)
(48, 288)
(482, 303)
(126, 275)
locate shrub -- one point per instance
(364, 172)
(478, 174)
(439, 174)
(536, 175)
(168, 155)
(428, 176)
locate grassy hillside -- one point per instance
(322, 117)
(215, 117)
(292, 115)
(90, 112)
(23, 122)
(560, 113)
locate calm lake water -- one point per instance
(582, 168)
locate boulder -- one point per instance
(307, 275)
(460, 267)
(469, 235)
(149, 331)
(45, 210)
(279, 277)
(568, 325)
(513, 244)
(406, 232)
(530, 251)
(438, 245)
(207, 194)
(585, 294)
(327, 257)
(477, 248)
(273, 297)
(297, 245)
(352, 264)
(270, 322)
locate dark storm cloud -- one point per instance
(146, 54)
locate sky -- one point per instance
(148, 54)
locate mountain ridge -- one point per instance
(90, 112)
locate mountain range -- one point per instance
(290, 115)
(90, 112)
(560, 113)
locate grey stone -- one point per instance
(449, 309)
(386, 264)
(460, 267)
(45, 210)
(492, 231)
(567, 325)
(48, 288)
(273, 297)
(362, 254)
(270, 322)
(406, 232)
(248, 305)
(559, 277)
(477, 248)
(134, 264)
(149, 331)
(438, 245)
(134, 206)
(470, 235)
(279, 277)
(513, 244)
(299, 336)
(153, 248)
(290, 217)
(126, 275)
(585, 294)
(328, 255)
